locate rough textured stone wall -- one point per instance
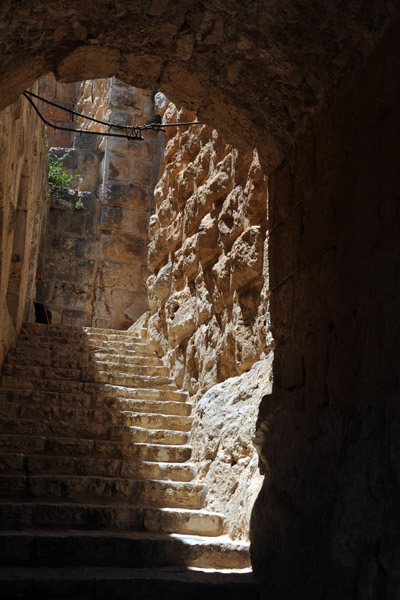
(326, 524)
(23, 185)
(208, 297)
(94, 261)
(208, 292)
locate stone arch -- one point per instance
(266, 76)
(247, 68)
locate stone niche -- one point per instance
(23, 209)
(94, 258)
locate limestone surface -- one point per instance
(208, 293)
(223, 434)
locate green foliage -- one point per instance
(57, 177)
(79, 204)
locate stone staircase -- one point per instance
(98, 498)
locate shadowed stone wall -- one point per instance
(326, 524)
(23, 209)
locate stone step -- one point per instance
(61, 344)
(94, 361)
(125, 584)
(109, 549)
(134, 376)
(41, 464)
(171, 494)
(158, 420)
(92, 431)
(73, 333)
(88, 368)
(22, 444)
(79, 352)
(82, 401)
(92, 387)
(44, 329)
(22, 515)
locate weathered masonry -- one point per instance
(314, 88)
(93, 261)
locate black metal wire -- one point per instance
(132, 131)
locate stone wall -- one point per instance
(208, 298)
(326, 524)
(23, 207)
(65, 95)
(94, 260)
(208, 292)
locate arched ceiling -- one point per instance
(257, 69)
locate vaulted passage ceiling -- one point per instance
(258, 70)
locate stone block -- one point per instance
(110, 217)
(121, 275)
(86, 142)
(142, 224)
(130, 196)
(119, 168)
(125, 247)
(139, 149)
(75, 317)
(54, 113)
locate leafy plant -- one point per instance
(79, 204)
(57, 177)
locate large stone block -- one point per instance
(125, 247)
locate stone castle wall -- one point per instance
(94, 261)
(23, 209)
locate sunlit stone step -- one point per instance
(107, 384)
(10, 399)
(134, 549)
(95, 448)
(59, 413)
(95, 431)
(106, 489)
(44, 464)
(114, 517)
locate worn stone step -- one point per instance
(95, 360)
(54, 328)
(23, 515)
(22, 444)
(117, 549)
(9, 399)
(125, 584)
(91, 387)
(154, 401)
(20, 365)
(78, 352)
(134, 376)
(61, 344)
(95, 431)
(41, 464)
(71, 332)
(44, 412)
(105, 489)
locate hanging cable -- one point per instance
(132, 132)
